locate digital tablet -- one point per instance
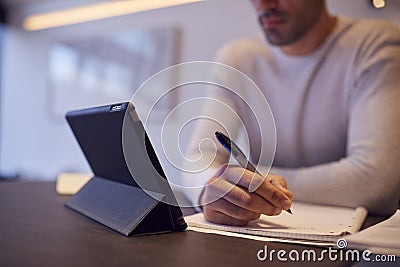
(118, 149)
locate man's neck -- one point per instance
(313, 38)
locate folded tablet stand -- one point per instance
(113, 197)
(126, 209)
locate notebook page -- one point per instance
(309, 221)
(357, 220)
(263, 238)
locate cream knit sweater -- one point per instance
(337, 115)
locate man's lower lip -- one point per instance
(272, 23)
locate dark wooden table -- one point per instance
(36, 229)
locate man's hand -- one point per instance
(239, 206)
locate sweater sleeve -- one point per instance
(203, 154)
(369, 175)
(219, 112)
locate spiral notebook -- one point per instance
(308, 222)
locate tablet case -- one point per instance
(112, 197)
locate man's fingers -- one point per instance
(280, 182)
(276, 196)
(238, 175)
(221, 218)
(286, 192)
(215, 189)
(226, 198)
(233, 211)
(251, 201)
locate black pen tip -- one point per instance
(289, 211)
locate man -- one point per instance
(333, 85)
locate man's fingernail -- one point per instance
(286, 204)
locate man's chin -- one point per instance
(276, 38)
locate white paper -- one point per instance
(261, 238)
(71, 183)
(309, 222)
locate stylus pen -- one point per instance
(238, 154)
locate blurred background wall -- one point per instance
(34, 144)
